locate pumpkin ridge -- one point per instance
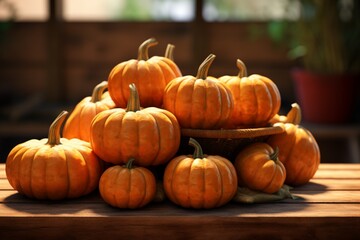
(68, 169)
(144, 197)
(173, 194)
(272, 178)
(220, 198)
(256, 103)
(19, 173)
(184, 82)
(87, 187)
(159, 137)
(12, 160)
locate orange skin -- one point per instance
(150, 135)
(79, 122)
(53, 168)
(258, 170)
(200, 182)
(150, 75)
(299, 153)
(199, 102)
(256, 99)
(127, 186)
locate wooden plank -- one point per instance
(233, 210)
(339, 166)
(338, 174)
(323, 184)
(179, 227)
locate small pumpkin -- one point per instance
(150, 135)
(150, 75)
(256, 98)
(199, 180)
(258, 168)
(127, 186)
(79, 121)
(300, 152)
(53, 168)
(199, 102)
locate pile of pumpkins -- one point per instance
(113, 139)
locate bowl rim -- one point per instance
(234, 133)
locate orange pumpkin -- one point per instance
(256, 98)
(200, 181)
(150, 75)
(79, 122)
(53, 168)
(127, 186)
(199, 102)
(259, 168)
(150, 135)
(300, 152)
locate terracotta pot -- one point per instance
(328, 99)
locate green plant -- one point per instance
(325, 36)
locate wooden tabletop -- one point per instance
(329, 208)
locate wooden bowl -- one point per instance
(226, 142)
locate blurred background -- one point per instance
(53, 53)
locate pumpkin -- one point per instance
(258, 168)
(150, 135)
(300, 152)
(127, 186)
(79, 121)
(201, 102)
(256, 98)
(293, 116)
(199, 180)
(150, 75)
(53, 168)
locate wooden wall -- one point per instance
(46, 67)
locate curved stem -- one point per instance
(294, 115)
(275, 154)
(242, 68)
(169, 52)
(204, 67)
(54, 129)
(129, 164)
(133, 103)
(198, 152)
(143, 53)
(98, 91)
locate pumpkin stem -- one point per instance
(133, 103)
(242, 68)
(294, 115)
(169, 52)
(129, 164)
(204, 67)
(54, 129)
(198, 153)
(98, 91)
(143, 53)
(274, 156)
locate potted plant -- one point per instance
(326, 40)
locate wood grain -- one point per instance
(328, 208)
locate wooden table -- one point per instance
(329, 209)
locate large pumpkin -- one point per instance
(200, 181)
(299, 151)
(150, 75)
(258, 168)
(127, 186)
(199, 102)
(53, 168)
(150, 135)
(256, 98)
(79, 121)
